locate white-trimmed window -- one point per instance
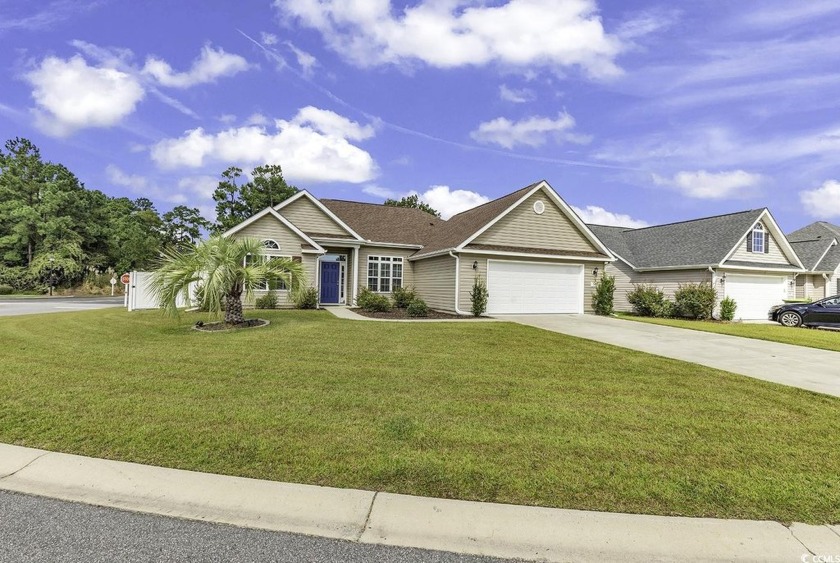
(271, 252)
(759, 239)
(384, 273)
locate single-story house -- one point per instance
(743, 255)
(818, 246)
(533, 251)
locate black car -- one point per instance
(825, 312)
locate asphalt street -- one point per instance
(24, 306)
(39, 529)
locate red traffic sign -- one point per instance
(125, 279)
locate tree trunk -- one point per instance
(233, 309)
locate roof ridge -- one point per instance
(699, 219)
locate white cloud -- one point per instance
(256, 119)
(532, 131)
(456, 33)
(314, 146)
(203, 186)
(379, 191)
(711, 185)
(824, 201)
(600, 216)
(450, 202)
(268, 38)
(142, 186)
(307, 61)
(70, 95)
(516, 96)
(210, 65)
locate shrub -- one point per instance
(649, 301)
(306, 298)
(417, 308)
(19, 278)
(6, 289)
(695, 300)
(602, 297)
(478, 297)
(267, 301)
(403, 296)
(373, 302)
(727, 309)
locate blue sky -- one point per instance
(636, 112)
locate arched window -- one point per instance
(271, 244)
(758, 239)
(272, 251)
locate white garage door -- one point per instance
(754, 295)
(534, 287)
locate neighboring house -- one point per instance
(532, 250)
(818, 246)
(743, 255)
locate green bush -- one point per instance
(727, 309)
(373, 302)
(306, 298)
(478, 297)
(649, 301)
(267, 301)
(602, 297)
(695, 300)
(19, 278)
(417, 308)
(403, 296)
(6, 289)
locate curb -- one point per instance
(499, 530)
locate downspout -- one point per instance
(714, 286)
(457, 282)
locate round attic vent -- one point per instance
(539, 207)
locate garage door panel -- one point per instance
(534, 287)
(754, 295)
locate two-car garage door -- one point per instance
(754, 295)
(534, 287)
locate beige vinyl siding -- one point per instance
(408, 267)
(624, 276)
(467, 276)
(434, 280)
(284, 298)
(810, 286)
(834, 284)
(774, 256)
(269, 227)
(669, 281)
(307, 217)
(522, 227)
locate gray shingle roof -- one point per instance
(700, 242)
(811, 243)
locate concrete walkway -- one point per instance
(796, 366)
(499, 530)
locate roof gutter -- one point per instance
(457, 281)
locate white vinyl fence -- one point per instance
(140, 295)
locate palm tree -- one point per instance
(222, 268)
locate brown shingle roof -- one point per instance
(533, 250)
(465, 224)
(386, 223)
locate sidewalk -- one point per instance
(544, 534)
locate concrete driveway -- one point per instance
(797, 366)
(27, 306)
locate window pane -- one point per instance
(385, 285)
(385, 270)
(372, 284)
(373, 269)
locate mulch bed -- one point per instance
(401, 314)
(221, 325)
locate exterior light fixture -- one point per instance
(475, 264)
(595, 273)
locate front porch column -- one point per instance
(355, 287)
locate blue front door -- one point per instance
(329, 281)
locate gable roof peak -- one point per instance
(757, 212)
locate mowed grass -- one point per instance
(479, 411)
(812, 338)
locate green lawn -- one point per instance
(812, 338)
(480, 411)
